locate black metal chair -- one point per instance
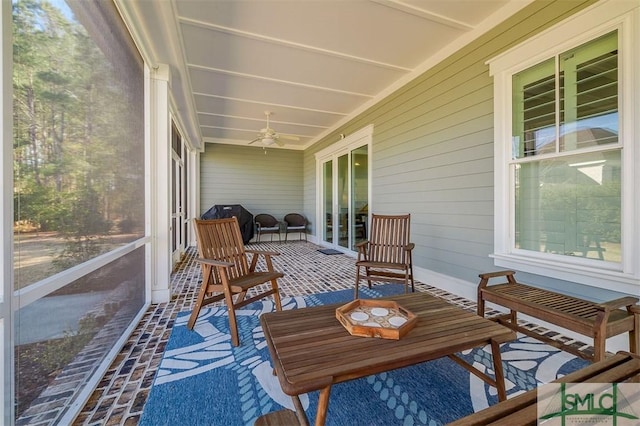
(267, 224)
(295, 222)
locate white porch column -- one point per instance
(160, 182)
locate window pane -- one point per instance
(589, 115)
(534, 110)
(78, 136)
(62, 338)
(343, 200)
(78, 144)
(327, 173)
(570, 206)
(359, 194)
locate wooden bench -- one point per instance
(597, 320)
(522, 409)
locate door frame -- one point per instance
(357, 139)
(178, 197)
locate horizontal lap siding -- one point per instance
(433, 149)
(263, 183)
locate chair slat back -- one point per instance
(388, 238)
(220, 239)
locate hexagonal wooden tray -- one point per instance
(376, 318)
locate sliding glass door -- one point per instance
(178, 196)
(327, 201)
(359, 205)
(345, 197)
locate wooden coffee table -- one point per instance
(311, 350)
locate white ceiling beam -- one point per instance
(425, 14)
(279, 81)
(292, 44)
(208, 95)
(289, 123)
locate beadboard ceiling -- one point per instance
(313, 64)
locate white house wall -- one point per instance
(263, 181)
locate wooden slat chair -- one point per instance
(386, 256)
(227, 272)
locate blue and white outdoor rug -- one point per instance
(204, 380)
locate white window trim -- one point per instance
(587, 25)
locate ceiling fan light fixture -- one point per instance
(268, 141)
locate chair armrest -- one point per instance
(363, 249)
(362, 243)
(409, 246)
(256, 255)
(264, 252)
(617, 303)
(215, 263)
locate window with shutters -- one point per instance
(566, 165)
(566, 156)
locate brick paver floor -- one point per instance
(120, 396)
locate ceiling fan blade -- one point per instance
(268, 136)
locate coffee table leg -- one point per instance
(323, 405)
(499, 372)
(302, 416)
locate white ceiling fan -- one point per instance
(268, 136)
